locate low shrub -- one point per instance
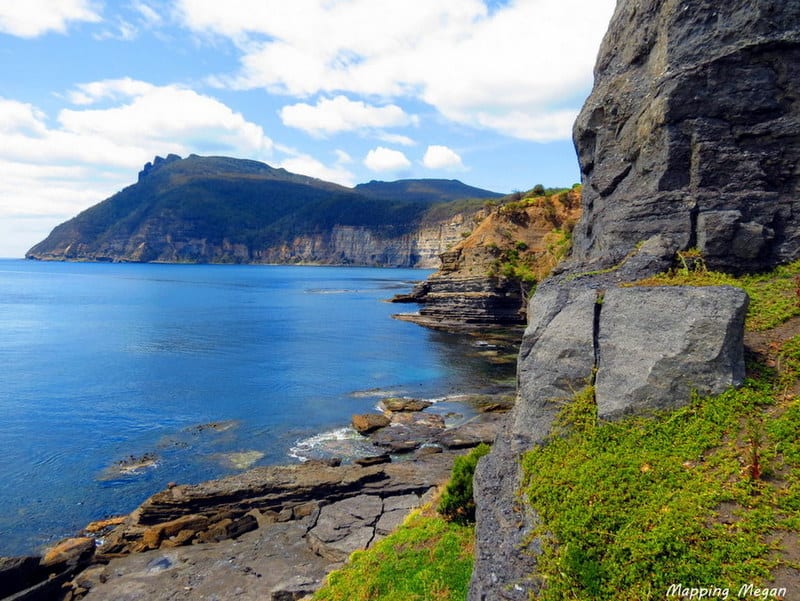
(457, 503)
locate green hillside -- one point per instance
(180, 205)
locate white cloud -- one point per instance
(32, 18)
(52, 169)
(386, 159)
(475, 67)
(304, 164)
(342, 157)
(124, 32)
(333, 115)
(441, 157)
(171, 115)
(109, 89)
(396, 139)
(148, 14)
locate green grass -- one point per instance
(694, 496)
(634, 505)
(427, 558)
(773, 296)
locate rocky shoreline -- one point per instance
(270, 532)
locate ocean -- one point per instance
(117, 379)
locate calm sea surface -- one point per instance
(117, 379)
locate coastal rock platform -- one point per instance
(270, 533)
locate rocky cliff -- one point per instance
(688, 140)
(224, 210)
(485, 279)
(691, 133)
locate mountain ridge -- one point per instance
(223, 209)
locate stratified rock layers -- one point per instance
(692, 132)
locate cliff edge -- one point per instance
(688, 145)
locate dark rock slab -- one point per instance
(373, 460)
(409, 431)
(295, 588)
(455, 302)
(480, 429)
(19, 573)
(345, 526)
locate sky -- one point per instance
(344, 90)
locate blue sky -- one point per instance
(344, 90)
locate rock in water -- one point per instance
(364, 423)
(691, 132)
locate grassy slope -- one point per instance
(703, 496)
(426, 559)
(708, 495)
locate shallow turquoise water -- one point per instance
(101, 362)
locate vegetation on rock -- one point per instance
(704, 495)
(457, 503)
(426, 558)
(528, 237)
(773, 295)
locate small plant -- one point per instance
(457, 503)
(755, 431)
(690, 261)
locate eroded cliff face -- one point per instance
(484, 280)
(690, 138)
(692, 133)
(364, 246)
(342, 245)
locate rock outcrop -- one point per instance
(689, 139)
(691, 134)
(270, 533)
(484, 280)
(642, 349)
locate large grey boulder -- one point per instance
(691, 133)
(648, 348)
(556, 358)
(656, 346)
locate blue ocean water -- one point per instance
(199, 369)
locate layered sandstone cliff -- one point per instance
(485, 279)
